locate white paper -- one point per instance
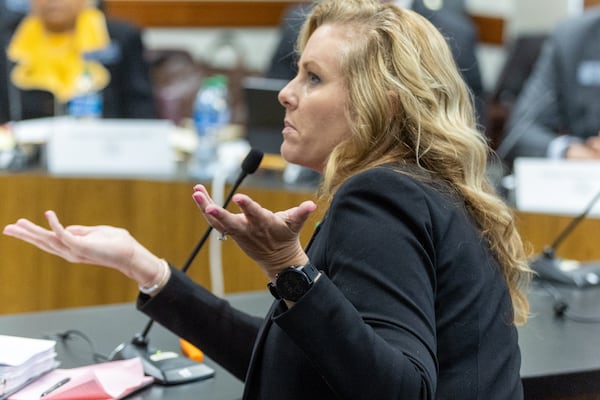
(561, 187)
(16, 350)
(111, 147)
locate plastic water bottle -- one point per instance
(87, 103)
(211, 115)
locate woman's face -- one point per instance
(58, 15)
(315, 101)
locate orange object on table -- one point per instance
(191, 351)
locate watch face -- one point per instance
(292, 284)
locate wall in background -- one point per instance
(255, 44)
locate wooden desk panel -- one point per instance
(163, 217)
(540, 230)
(160, 214)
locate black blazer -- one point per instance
(411, 305)
(128, 95)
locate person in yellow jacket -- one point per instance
(60, 41)
(50, 44)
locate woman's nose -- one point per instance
(286, 96)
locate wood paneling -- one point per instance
(591, 3)
(201, 13)
(540, 230)
(490, 29)
(163, 217)
(160, 214)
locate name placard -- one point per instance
(563, 187)
(122, 147)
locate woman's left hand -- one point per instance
(271, 239)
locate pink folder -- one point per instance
(108, 380)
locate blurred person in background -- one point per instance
(55, 44)
(557, 114)
(11, 14)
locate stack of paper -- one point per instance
(22, 360)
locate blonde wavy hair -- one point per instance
(407, 102)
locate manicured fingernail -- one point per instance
(213, 212)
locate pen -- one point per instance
(55, 386)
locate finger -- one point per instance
(27, 227)
(202, 194)
(202, 189)
(212, 212)
(54, 223)
(201, 199)
(253, 211)
(65, 240)
(297, 216)
(224, 221)
(32, 234)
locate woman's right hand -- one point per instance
(100, 245)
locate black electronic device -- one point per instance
(293, 282)
(580, 274)
(167, 367)
(264, 113)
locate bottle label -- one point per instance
(86, 106)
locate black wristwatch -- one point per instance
(293, 282)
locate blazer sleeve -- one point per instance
(373, 309)
(187, 309)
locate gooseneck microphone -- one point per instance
(548, 266)
(169, 368)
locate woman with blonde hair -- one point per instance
(412, 283)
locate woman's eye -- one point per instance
(313, 78)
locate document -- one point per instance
(563, 187)
(108, 380)
(22, 360)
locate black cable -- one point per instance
(66, 336)
(561, 307)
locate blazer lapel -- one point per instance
(253, 374)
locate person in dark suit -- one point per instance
(455, 25)
(128, 93)
(557, 114)
(412, 283)
(9, 20)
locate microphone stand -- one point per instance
(548, 267)
(169, 368)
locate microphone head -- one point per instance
(252, 161)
